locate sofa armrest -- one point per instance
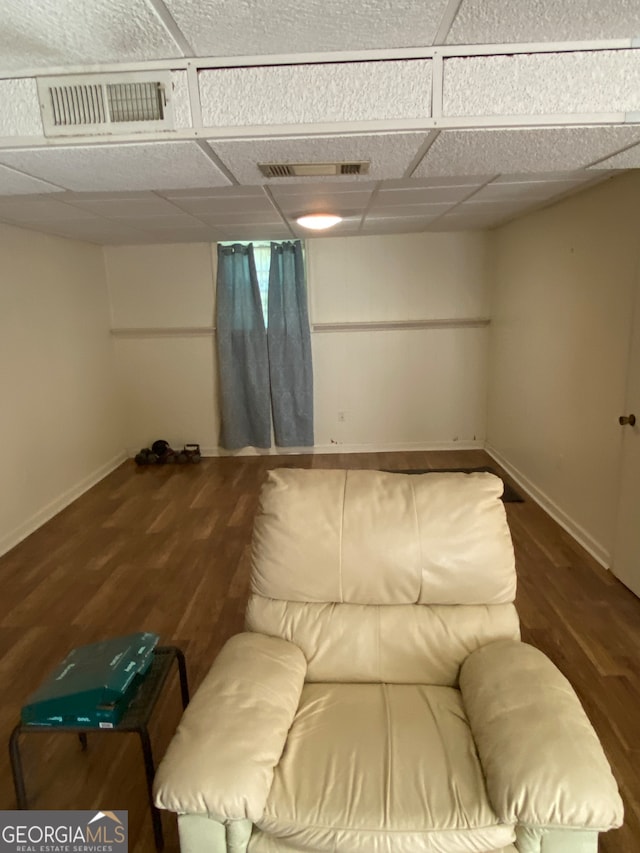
(222, 758)
(542, 760)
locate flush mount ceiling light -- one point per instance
(318, 221)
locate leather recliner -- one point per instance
(381, 700)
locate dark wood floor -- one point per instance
(166, 550)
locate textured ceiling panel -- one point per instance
(50, 33)
(495, 22)
(379, 211)
(135, 166)
(36, 209)
(181, 105)
(354, 91)
(255, 27)
(15, 183)
(202, 205)
(312, 186)
(320, 201)
(536, 190)
(228, 192)
(390, 154)
(629, 159)
(225, 220)
(178, 222)
(423, 195)
(544, 177)
(460, 152)
(413, 183)
(20, 113)
(544, 84)
(147, 205)
(93, 231)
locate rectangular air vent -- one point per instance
(106, 103)
(312, 170)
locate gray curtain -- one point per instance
(289, 342)
(243, 361)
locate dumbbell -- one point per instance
(142, 458)
(192, 452)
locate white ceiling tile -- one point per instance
(20, 113)
(441, 182)
(427, 210)
(15, 183)
(181, 102)
(334, 203)
(457, 152)
(310, 187)
(629, 159)
(354, 91)
(228, 191)
(131, 166)
(86, 231)
(526, 191)
(34, 208)
(53, 33)
(211, 205)
(253, 28)
(417, 219)
(150, 206)
(425, 195)
(71, 197)
(535, 177)
(221, 220)
(162, 223)
(543, 84)
(495, 22)
(390, 154)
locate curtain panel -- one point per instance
(243, 360)
(289, 345)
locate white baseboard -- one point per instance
(58, 504)
(319, 449)
(597, 551)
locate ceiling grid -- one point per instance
(469, 112)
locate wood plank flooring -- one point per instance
(167, 550)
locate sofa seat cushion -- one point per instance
(381, 768)
(261, 842)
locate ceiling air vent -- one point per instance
(312, 170)
(106, 103)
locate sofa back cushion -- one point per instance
(383, 577)
(367, 537)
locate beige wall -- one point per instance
(395, 388)
(399, 388)
(61, 424)
(167, 374)
(398, 277)
(562, 301)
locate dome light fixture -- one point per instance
(318, 221)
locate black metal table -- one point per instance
(135, 719)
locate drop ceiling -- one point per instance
(470, 113)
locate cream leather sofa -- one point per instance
(381, 700)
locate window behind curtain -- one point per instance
(262, 255)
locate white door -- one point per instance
(626, 556)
